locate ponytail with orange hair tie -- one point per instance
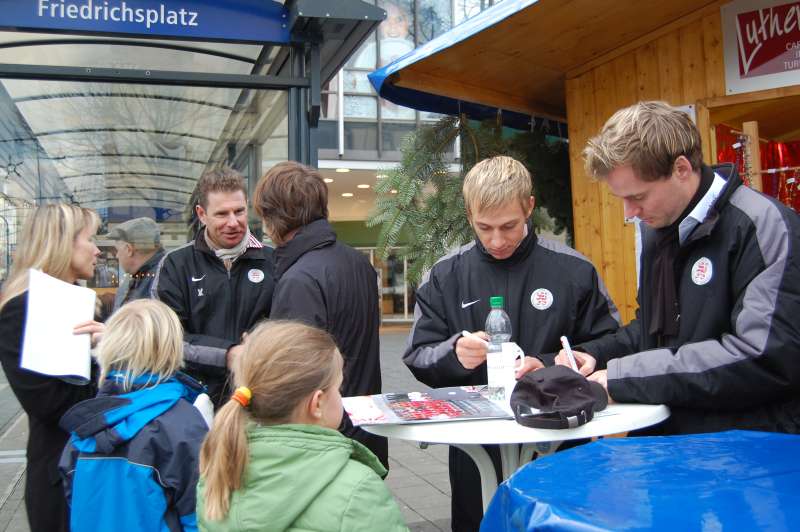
(242, 395)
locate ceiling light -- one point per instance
(347, 194)
(393, 191)
(342, 170)
(328, 180)
(380, 176)
(363, 186)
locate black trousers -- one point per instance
(466, 502)
(45, 502)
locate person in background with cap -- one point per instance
(717, 334)
(549, 290)
(220, 284)
(138, 245)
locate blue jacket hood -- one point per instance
(114, 417)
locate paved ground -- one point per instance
(418, 478)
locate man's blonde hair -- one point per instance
(648, 136)
(494, 182)
(144, 336)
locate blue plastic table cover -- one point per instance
(737, 480)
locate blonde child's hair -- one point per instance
(494, 182)
(283, 362)
(143, 337)
(47, 243)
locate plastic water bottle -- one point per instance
(498, 327)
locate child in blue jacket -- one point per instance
(131, 462)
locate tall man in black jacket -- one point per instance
(322, 281)
(220, 284)
(717, 333)
(549, 290)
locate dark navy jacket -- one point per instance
(132, 459)
(328, 284)
(137, 286)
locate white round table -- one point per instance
(517, 443)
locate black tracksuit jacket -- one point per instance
(735, 363)
(454, 296)
(330, 285)
(215, 305)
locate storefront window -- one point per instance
(433, 19)
(408, 24)
(397, 297)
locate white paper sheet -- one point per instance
(54, 309)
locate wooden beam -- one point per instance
(748, 97)
(753, 153)
(706, 133)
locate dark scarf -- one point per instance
(664, 302)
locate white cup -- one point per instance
(501, 368)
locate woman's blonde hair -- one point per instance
(282, 364)
(144, 336)
(46, 243)
(493, 182)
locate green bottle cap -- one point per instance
(496, 302)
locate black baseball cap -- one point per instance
(556, 397)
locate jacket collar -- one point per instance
(520, 254)
(317, 234)
(728, 173)
(150, 264)
(201, 245)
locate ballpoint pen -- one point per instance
(469, 334)
(568, 349)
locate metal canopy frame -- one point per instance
(324, 33)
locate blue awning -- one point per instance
(383, 79)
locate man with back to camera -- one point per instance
(549, 290)
(323, 282)
(220, 284)
(138, 251)
(717, 335)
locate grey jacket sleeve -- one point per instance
(430, 351)
(200, 349)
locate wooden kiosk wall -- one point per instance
(682, 63)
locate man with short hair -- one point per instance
(549, 290)
(138, 251)
(717, 333)
(322, 281)
(220, 284)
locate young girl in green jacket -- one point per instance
(274, 461)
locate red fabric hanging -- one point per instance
(781, 185)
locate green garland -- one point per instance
(421, 200)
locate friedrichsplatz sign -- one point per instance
(264, 21)
(762, 44)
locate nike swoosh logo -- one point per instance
(465, 305)
(195, 279)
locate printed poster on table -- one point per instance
(442, 404)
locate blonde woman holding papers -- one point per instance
(57, 239)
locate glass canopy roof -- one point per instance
(127, 148)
